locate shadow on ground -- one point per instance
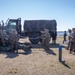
(9, 54)
(49, 51)
(50, 46)
(64, 63)
(29, 51)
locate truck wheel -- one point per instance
(34, 38)
(34, 41)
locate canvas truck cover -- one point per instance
(38, 25)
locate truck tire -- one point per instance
(34, 38)
(34, 41)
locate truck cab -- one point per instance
(14, 24)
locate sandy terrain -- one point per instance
(38, 61)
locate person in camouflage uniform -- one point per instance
(3, 35)
(45, 38)
(14, 39)
(72, 41)
(69, 37)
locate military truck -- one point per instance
(33, 28)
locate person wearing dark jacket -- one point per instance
(72, 41)
(54, 36)
(64, 36)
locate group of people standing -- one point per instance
(71, 40)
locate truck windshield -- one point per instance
(12, 24)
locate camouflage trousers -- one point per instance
(14, 46)
(45, 43)
(72, 46)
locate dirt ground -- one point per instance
(38, 61)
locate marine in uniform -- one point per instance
(45, 38)
(72, 41)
